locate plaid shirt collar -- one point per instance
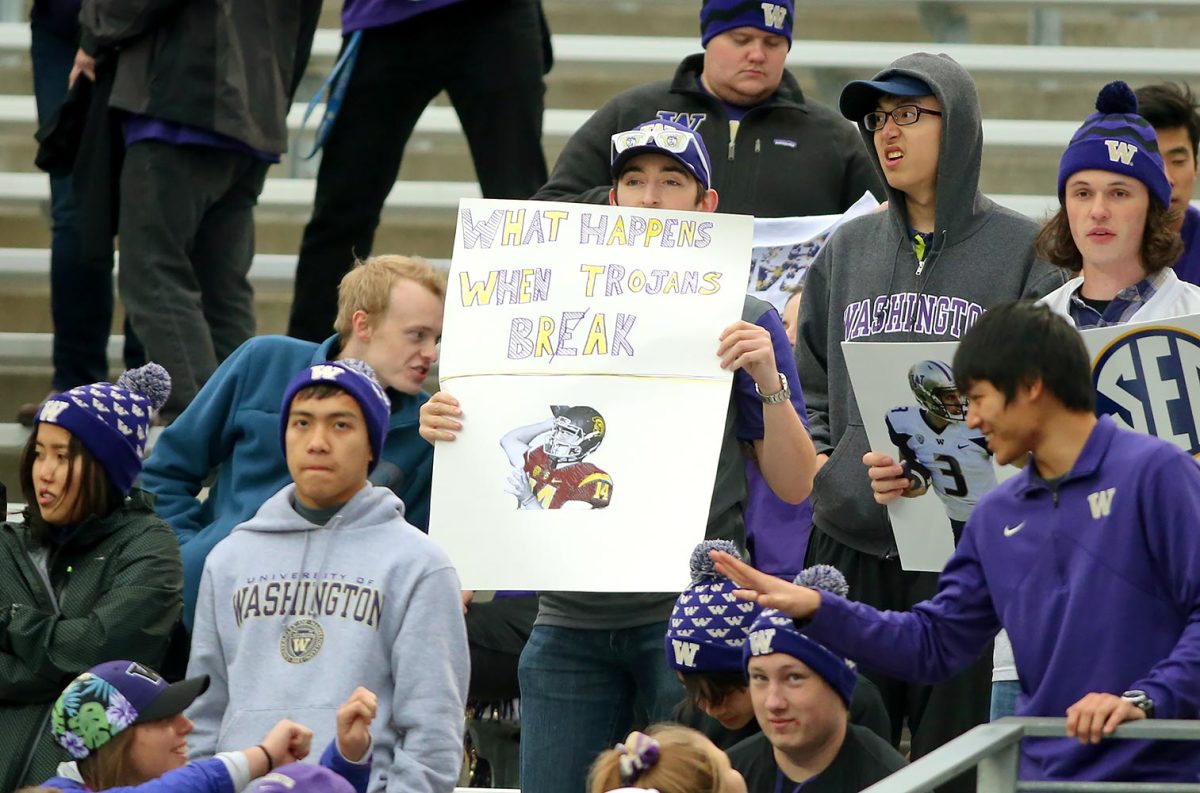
(1123, 306)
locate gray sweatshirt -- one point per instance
(865, 286)
(291, 617)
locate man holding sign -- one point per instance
(924, 270)
(1087, 557)
(591, 656)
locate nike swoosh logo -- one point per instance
(1011, 530)
(964, 446)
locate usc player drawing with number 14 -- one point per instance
(552, 474)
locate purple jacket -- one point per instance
(1097, 586)
(1188, 266)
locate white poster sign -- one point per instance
(1146, 376)
(581, 344)
(784, 249)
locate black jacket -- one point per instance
(791, 156)
(228, 66)
(113, 591)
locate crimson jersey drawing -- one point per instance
(552, 474)
(553, 487)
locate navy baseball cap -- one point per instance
(860, 96)
(110, 697)
(667, 138)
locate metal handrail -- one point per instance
(994, 749)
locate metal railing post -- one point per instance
(997, 773)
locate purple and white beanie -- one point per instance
(112, 420)
(708, 625)
(1116, 139)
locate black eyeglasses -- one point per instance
(903, 116)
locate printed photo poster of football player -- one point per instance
(1146, 376)
(581, 343)
(914, 411)
(784, 248)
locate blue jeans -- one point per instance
(580, 690)
(81, 297)
(1004, 698)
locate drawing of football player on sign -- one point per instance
(547, 457)
(937, 448)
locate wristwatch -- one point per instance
(782, 395)
(1139, 700)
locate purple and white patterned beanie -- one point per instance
(112, 420)
(709, 624)
(1116, 139)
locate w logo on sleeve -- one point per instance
(774, 15)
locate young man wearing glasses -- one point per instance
(925, 270)
(595, 661)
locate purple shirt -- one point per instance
(1188, 266)
(138, 128)
(1096, 585)
(776, 531)
(749, 424)
(366, 14)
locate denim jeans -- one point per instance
(1004, 698)
(580, 691)
(81, 298)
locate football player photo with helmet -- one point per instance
(937, 449)
(548, 470)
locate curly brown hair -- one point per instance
(1161, 247)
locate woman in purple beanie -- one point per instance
(90, 573)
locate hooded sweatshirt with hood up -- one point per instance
(867, 285)
(292, 617)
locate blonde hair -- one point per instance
(108, 766)
(368, 287)
(685, 765)
(39, 789)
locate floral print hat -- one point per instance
(108, 698)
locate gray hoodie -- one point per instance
(291, 617)
(864, 285)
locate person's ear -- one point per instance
(360, 325)
(612, 196)
(709, 202)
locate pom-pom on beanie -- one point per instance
(112, 420)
